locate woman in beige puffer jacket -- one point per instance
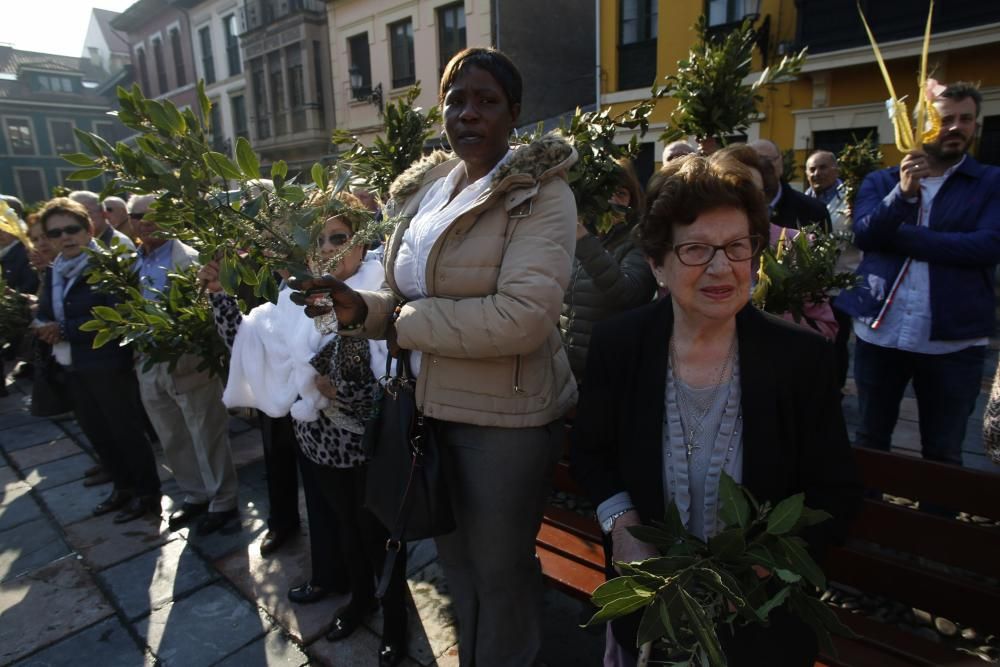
(477, 270)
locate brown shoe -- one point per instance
(93, 470)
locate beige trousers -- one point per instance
(193, 427)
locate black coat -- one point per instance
(796, 210)
(17, 270)
(794, 438)
(610, 275)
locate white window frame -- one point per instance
(6, 136)
(52, 134)
(17, 183)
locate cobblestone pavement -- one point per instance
(79, 590)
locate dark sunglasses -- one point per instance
(337, 239)
(109, 209)
(59, 231)
(135, 216)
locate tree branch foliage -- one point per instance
(801, 272)
(712, 98)
(15, 315)
(693, 586)
(856, 161)
(252, 232)
(407, 129)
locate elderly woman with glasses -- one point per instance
(701, 382)
(101, 381)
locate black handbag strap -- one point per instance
(394, 544)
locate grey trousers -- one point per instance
(499, 479)
(193, 427)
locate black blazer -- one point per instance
(794, 438)
(795, 210)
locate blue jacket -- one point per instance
(77, 307)
(961, 245)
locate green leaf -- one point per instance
(279, 170)
(103, 337)
(107, 313)
(206, 106)
(247, 159)
(787, 576)
(729, 544)
(79, 159)
(651, 535)
(729, 589)
(222, 166)
(651, 627)
(85, 174)
(775, 601)
(614, 589)
(319, 176)
(735, 510)
(811, 517)
(800, 562)
(228, 274)
(704, 630)
(785, 515)
(622, 606)
(92, 325)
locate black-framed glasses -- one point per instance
(337, 239)
(700, 254)
(135, 216)
(59, 231)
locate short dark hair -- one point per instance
(65, 206)
(961, 90)
(692, 186)
(500, 67)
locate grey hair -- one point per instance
(116, 200)
(85, 197)
(140, 199)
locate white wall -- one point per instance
(210, 14)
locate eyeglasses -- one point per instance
(135, 216)
(59, 231)
(337, 239)
(700, 254)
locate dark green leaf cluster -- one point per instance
(802, 273)
(252, 231)
(595, 176)
(15, 315)
(756, 564)
(407, 129)
(180, 322)
(856, 161)
(712, 98)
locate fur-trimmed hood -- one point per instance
(531, 163)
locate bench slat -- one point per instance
(964, 545)
(946, 485)
(567, 575)
(953, 597)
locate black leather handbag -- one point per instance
(405, 484)
(49, 390)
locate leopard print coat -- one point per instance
(335, 439)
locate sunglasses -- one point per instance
(135, 216)
(337, 239)
(59, 231)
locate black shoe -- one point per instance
(273, 540)
(26, 371)
(116, 501)
(391, 654)
(213, 521)
(307, 593)
(186, 514)
(347, 619)
(139, 507)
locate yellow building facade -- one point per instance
(839, 92)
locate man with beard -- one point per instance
(924, 305)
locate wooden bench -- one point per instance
(947, 567)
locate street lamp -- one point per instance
(361, 92)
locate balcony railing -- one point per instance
(261, 13)
(832, 25)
